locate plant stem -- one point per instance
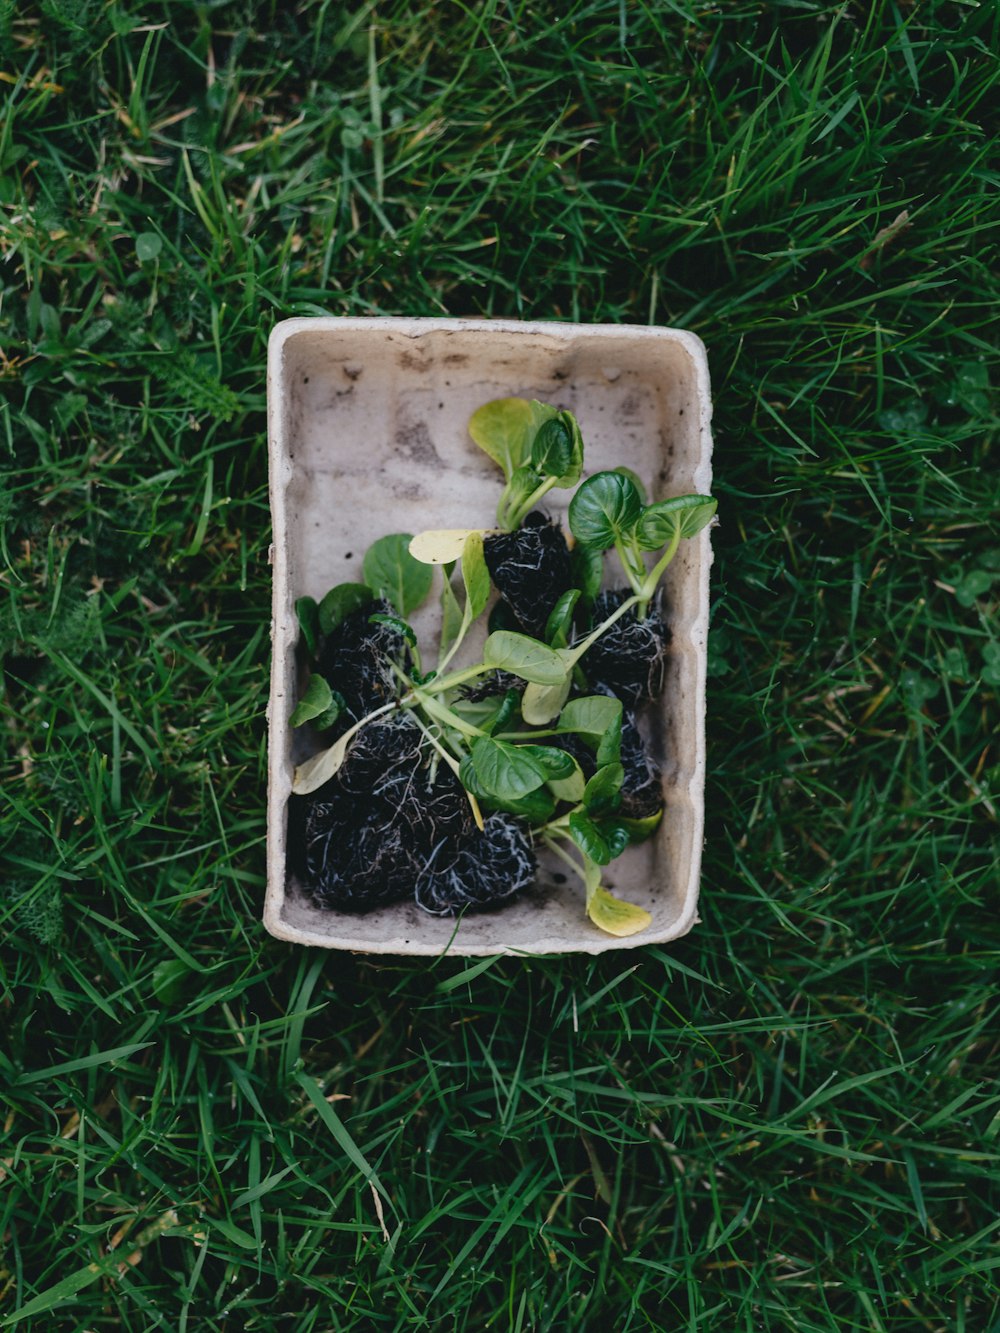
(635, 570)
(649, 587)
(449, 759)
(563, 855)
(462, 631)
(442, 683)
(452, 763)
(578, 650)
(514, 519)
(444, 715)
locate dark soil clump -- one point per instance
(389, 821)
(382, 758)
(642, 791)
(355, 855)
(491, 685)
(484, 870)
(531, 569)
(630, 657)
(356, 659)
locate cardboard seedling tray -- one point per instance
(367, 421)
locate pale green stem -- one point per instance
(450, 760)
(579, 650)
(442, 683)
(462, 631)
(553, 846)
(514, 518)
(635, 570)
(649, 587)
(445, 716)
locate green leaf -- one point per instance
(391, 572)
(641, 829)
(407, 631)
(557, 450)
(594, 717)
(504, 714)
(973, 585)
(542, 704)
(169, 977)
(588, 838)
(658, 522)
(635, 479)
(552, 448)
(63, 1290)
(316, 699)
(588, 570)
(616, 835)
(506, 427)
(342, 601)
(560, 620)
(604, 510)
(537, 806)
(475, 576)
(517, 492)
(506, 771)
(614, 915)
(570, 788)
(557, 763)
(507, 650)
(327, 719)
(609, 747)
(603, 792)
(451, 612)
(148, 246)
(311, 775)
(307, 612)
(905, 419)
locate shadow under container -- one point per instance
(368, 435)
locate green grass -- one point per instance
(787, 1121)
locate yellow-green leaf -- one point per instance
(440, 546)
(541, 703)
(614, 915)
(506, 427)
(311, 775)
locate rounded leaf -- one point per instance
(439, 546)
(588, 838)
(392, 572)
(641, 829)
(536, 806)
(342, 601)
(658, 522)
(148, 246)
(603, 792)
(542, 704)
(506, 650)
(614, 915)
(316, 700)
(504, 770)
(604, 509)
(505, 428)
(557, 763)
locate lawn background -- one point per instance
(785, 1121)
